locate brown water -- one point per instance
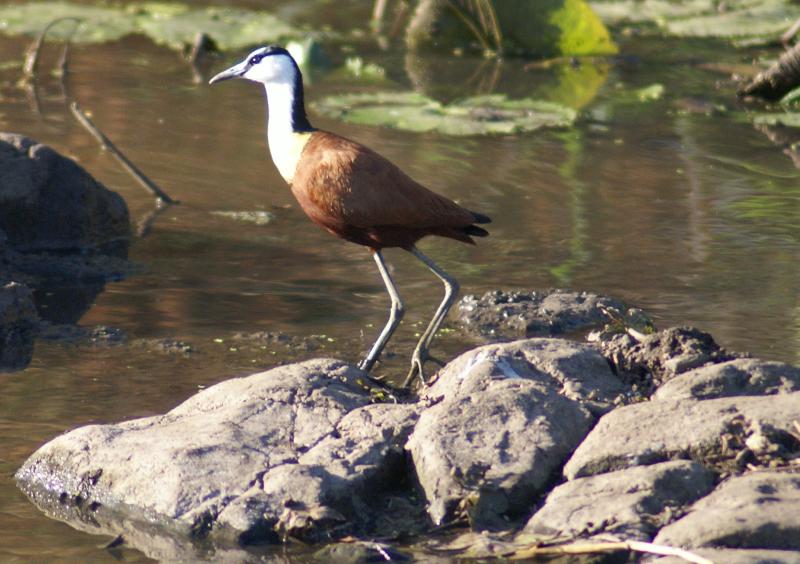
(692, 217)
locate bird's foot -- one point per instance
(418, 360)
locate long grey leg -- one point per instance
(395, 315)
(450, 293)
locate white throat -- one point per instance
(285, 145)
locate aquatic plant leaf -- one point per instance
(648, 93)
(582, 32)
(636, 11)
(767, 18)
(787, 119)
(100, 23)
(703, 18)
(228, 28)
(172, 24)
(480, 115)
(258, 217)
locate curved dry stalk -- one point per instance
(602, 547)
(32, 54)
(480, 18)
(129, 167)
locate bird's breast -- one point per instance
(286, 148)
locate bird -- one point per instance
(354, 193)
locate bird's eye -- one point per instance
(255, 59)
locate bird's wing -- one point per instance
(356, 186)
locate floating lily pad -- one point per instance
(256, 217)
(766, 18)
(172, 24)
(703, 18)
(787, 119)
(637, 11)
(480, 115)
(229, 28)
(649, 93)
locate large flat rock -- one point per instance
(575, 370)
(491, 454)
(506, 419)
(632, 504)
(295, 450)
(758, 510)
(738, 556)
(740, 377)
(656, 431)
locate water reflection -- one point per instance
(692, 217)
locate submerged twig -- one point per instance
(145, 224)
(129, 167)
(33, 52)
(598, 548)
(202, 43)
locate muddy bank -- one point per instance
(538, 440)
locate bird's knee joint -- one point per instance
(399, 310)
(453, 287)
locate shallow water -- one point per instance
(692, 217)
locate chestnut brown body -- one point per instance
(362, 197)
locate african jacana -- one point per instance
(353, 192)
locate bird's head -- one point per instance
(265, 65)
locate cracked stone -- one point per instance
(284, 452)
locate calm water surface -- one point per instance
(692, 217)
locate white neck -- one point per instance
(280, 100)
(285, 145)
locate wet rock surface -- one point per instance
(633, 503)
(504, 316)
(296, 451)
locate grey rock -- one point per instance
(489, 453)
(296, 450)
(575, 370)
(741, 377)
(660, 356)
(740, 556)
(48, 202)
(712, 431)
(18, 326)
(500, 315)
(631, 504)
(757, 510)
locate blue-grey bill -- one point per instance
(233, 72)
